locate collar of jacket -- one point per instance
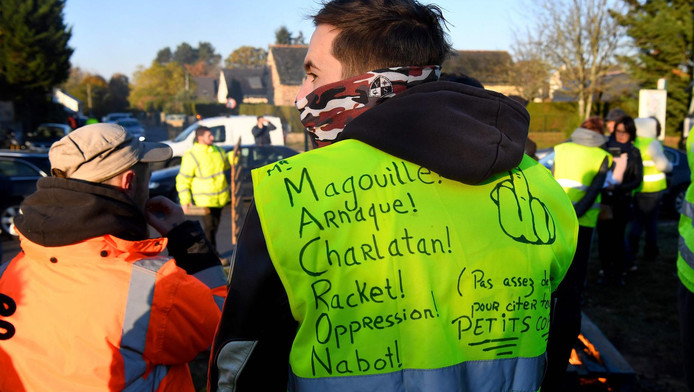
(203, 147)
(588, 138)
(463, 133)
(106, 246)
(64, 211)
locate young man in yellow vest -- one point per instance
(201, 180)
(648, 195)
(417, 249)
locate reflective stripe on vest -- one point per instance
(572, 184)
(519, 374)
(685, 258)
(197, 163)
(685, 252)
(391, 270)
(575, 166)
(136, 324)
(3, 267)
(687, 208)
(653, 179)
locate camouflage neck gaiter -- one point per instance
(328, 109)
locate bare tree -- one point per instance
(530, 71)
(578, 39)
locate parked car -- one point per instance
(226, 130)
(113, 117)
(133, 126)
(163, 182)
(23, 169)
(677, 180)
(41, 139)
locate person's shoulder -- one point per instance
(217, 149)
(655, 144)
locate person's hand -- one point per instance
(522, 216)
(163, 214)
(620, 166)
(186, 208)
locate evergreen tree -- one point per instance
(185, 54)
(283, 36)
(117, 94)
(207, 54)
(34, 54)
(663, 34)
(299, 39)
(164, 56)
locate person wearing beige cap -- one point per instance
(92, 303)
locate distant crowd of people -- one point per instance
(614, 173)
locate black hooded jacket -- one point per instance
(463, 133)
(65, 211)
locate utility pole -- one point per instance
(89, 97)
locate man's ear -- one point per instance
(127, 180)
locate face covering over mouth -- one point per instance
(328, 109)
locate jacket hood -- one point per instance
(646, 127)
(588, 138)
(64, 211)
(463, 133)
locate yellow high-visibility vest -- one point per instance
(201, 177)
(396, 274)
(653, 179)
(685, 257)
(575, 166)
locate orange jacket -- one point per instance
(103, 314)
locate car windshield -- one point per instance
(116, 117)
(128, 123)
(46, 133)
(183, 135)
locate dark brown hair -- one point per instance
(376, 34)
(201, 131)
(629, 127)
(594, 123)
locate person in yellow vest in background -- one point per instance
(648, 195)
(201, 180)
(685, 271)
(580, 165)
(417, 249)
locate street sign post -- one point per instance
(653, 103)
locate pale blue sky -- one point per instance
(117, 36)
